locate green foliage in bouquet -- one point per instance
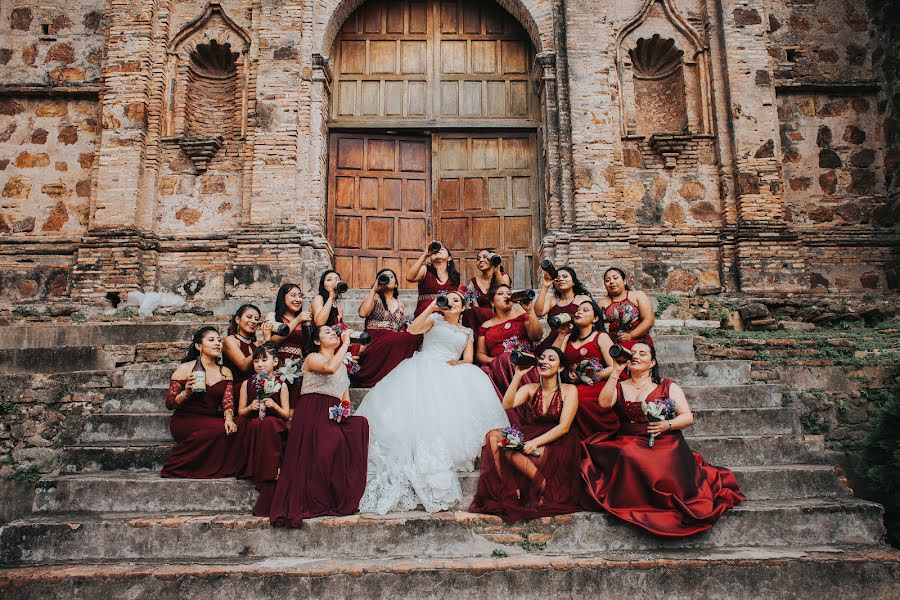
(879, 462)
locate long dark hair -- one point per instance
(192, 353)
(494, 274)
(600, 325)
(233, 325)
(311, 345)
(620, 272)
(333, 315)
(452, 273)
(395, 292)
(280, 304)
(577, 287)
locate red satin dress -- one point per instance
(240, 376)
(480, 310)
(260, 446)
(293, 348)
(516, 486)
(666, 489)
(622, 317)
(570, 308)
(429, 288)
(325, 463)
(202, 450)
(591, 418)
(500, 341)
(391, 344)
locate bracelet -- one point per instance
(669, 423)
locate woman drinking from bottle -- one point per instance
(435, 272)
(514, 326)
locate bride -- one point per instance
(428, 418)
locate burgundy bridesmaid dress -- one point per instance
(622, 317)
(500, 341)
(570, 308)
(550, 487)
(665, 489)
(260, 446)
(391, 344)
(479, 311)
(247, 347)
(591, 418)
(324, 468)
(429, 288)
(202, 450)
(292, 348)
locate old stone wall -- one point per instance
(733, 146)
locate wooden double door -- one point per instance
(389, 195)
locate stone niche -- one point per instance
(206, 90)
(664, 99)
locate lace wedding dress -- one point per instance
(427, 419)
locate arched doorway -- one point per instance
(433, 134)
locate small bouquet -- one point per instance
(266, 385)
(469, 294)
(350, 362)
(339, 328)
(513, 439)
(587, 371)
(659, 410)
(514, 343)
(340, 412)
(289, 372)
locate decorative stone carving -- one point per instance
(201, 150)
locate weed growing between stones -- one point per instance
(30, 474)
(499, 554)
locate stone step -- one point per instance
(100, 537)
(737, 574)
(127, 333)
(150, 400)
(136, 491)
(698, 373)
(145, 428)
(747, 450)
(54, 360)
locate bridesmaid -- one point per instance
(325, 307)
(586, 347)
(664, 488)
(517, 485)
(513, 327)
(386, 322)
(289, 310)
(204, 445)
(324, 470)
(262, 437)
(239, 344)
(435, 273)
(628, 313)
(480, 288)
(568, 294)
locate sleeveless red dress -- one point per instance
(241, 376)
(202, 450)
(480, 310)
(429, 288)
(591, 418)
(293, 348)
(570, 308)
(622, 317)
(500, 340)
(665, 489)
(391, 344)
(516, 486)
(260, 447)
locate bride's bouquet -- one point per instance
(340, 412)
(513, 439)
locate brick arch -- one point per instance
(535, 16)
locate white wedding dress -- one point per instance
(427, 419)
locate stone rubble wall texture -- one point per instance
(784, 178)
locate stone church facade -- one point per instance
(218, 149)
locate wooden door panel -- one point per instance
(420, 60)
(379, 203)
(486, 190)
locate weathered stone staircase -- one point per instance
(107, 524)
